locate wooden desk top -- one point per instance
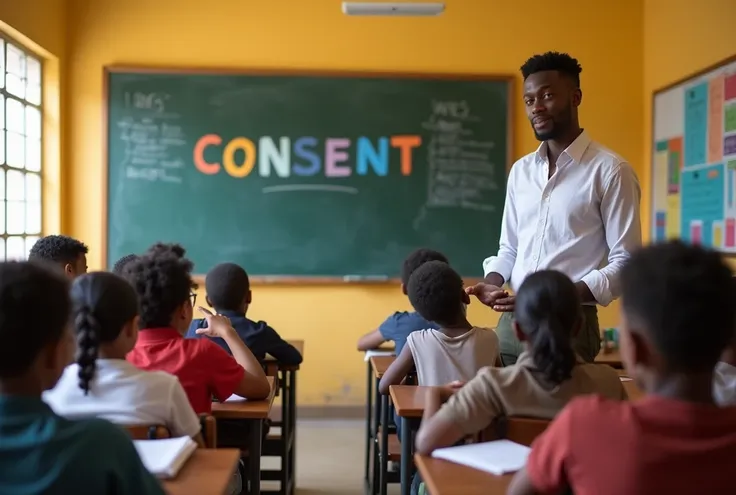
(207, 471)
(612, 358)
(632, 390)
(447, 478)
(409, 400)
(245, 409)
(299, 345)
(380, 364)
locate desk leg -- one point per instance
(254, 458)
(407, 451)
(384, 444)
(292, 432)
(368, 411)
(285, 433)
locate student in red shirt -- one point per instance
(677, 317)
(162, 279)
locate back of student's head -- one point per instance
(162, 279)
(547, 311)
(227, 286)
(436, 292)
(681, 297)
(34, 314)
(120, 264)
(416, 259)
(103, 305)
(61, 250)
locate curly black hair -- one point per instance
(416, 259)
(162, 278)
(102, 304)
(561, 62)
(682, 297)
(227, 285)
(34, 312)
(57, 249)
(120, 264)
(436, 292)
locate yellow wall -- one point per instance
(472, 36)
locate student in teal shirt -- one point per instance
(40, 452)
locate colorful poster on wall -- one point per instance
(694, 160)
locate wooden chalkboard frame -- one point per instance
(107, 70)
(652, 132)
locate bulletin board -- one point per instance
(694, 159)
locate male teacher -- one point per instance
(572, 206)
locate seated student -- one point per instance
(547, 375)
(724, 377)
(41, 452)
(399, 325)
(454, 352)
(102, 383)
(228, 291)
(162, 279)
(677, 316)
(68, 253)
(120, 264)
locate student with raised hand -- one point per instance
(228, 292)
(41, 452)
(102, 383)
(400, 324)
(63, 251)
(547, 375)
(677, 317)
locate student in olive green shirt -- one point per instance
(40, 452)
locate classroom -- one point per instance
(121, 85)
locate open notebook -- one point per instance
(498, 457)
(164, 458)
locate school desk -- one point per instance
(447, 478)
(256, 411)
(409, 403)
(283, 445)
(207, 471)
(612, 358)
(380, 462)
(369, 482)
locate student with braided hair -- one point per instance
(101, 383)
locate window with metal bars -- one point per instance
(21, 111)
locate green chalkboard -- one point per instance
(306, 175)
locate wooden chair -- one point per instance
(515, 428)
(147, 432)
(209, 430)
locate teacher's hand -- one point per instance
(486, 293)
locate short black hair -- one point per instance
(34, 312)
(416, 259)
(561, 62)
(59, 249)
(682, 297)
(162, 278)
(227, 285)
(120, 264)
(547, 310)
(102, 304)
(436, 291)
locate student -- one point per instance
(399, 325)
(120, 264)
(163, 282)
(454, 352)
(68, 253)
(41, 452)
(102, 383)
(677, 317)
(228, 291)
(547, 375)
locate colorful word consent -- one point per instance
(305, 156)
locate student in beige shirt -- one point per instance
(546, 376)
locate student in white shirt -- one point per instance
(570, 206)
(102, 383)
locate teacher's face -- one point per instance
(551, 102)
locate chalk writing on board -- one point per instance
(460, 168)
(151, 139)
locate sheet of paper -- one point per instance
(164, 458)
(498, 457)
(235, 398)
(370, 354)
(625, 379)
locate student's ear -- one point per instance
(130, 330)
(249, 297)
(207, 300)
(403, 288)
(577, 97)
(518, 332)
(69, 270)
(465, 297)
